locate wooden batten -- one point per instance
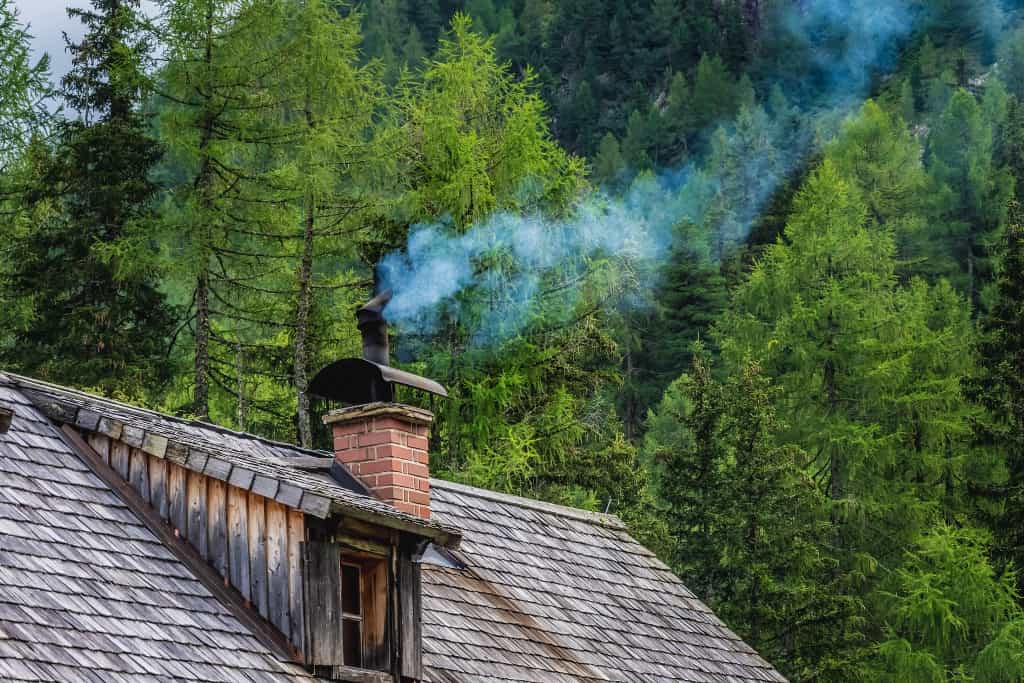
(258, 553)
(277, 566)
(296, 537)
(138, 473)
(177, 502)
(217, 525)
(158, 487)
(238, 541)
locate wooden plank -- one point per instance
(138, 473)
(177, 498)
(100, 444)
(202, 571)
(277, 566)
(258, 553)
(217, 525)
(296, 537)
(196, 497)
(158, 487)
(119, 451)
(322, 580)
(410, 618)
(238, 540)
(354, 675)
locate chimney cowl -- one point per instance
(371, 378)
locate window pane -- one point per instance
(350, 589)
(353, 642)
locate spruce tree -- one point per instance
(85, 260)
(999, 387)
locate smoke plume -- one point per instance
(845, 46)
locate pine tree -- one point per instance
(747, 522)
(683, 448)
(86, 263)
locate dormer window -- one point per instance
(350, 586)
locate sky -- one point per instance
(47, 19)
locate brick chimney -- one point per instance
(385, 446)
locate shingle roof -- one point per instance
(293, 476)
(555, 594)
(548, 594)
(87, 592)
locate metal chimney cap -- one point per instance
(358, 381)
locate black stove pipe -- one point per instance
(374, 328)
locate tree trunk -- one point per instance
(201, 398)
(305, 282)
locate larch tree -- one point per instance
(215, 98)
(24, 87)
(998, 387)
(337, 162)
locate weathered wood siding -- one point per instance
(253, 542)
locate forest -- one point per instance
(747, 273)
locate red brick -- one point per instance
(422, 511)
(422, 457)
(346, 428)
(422, 484)
(396, 479)
(393, 451)
(416, 442)
(392, 494)
(380, 423)
(355, 455)
(377, 467)
(416, 469)
(418, 497)
(377, 438)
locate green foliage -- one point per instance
(973, 191)
(480, 141)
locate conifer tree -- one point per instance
(960, 158)
(999, 386)
(747, 522)
(83, 257)
(214, 105)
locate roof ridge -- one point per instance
(600, 518)
(31, 382)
